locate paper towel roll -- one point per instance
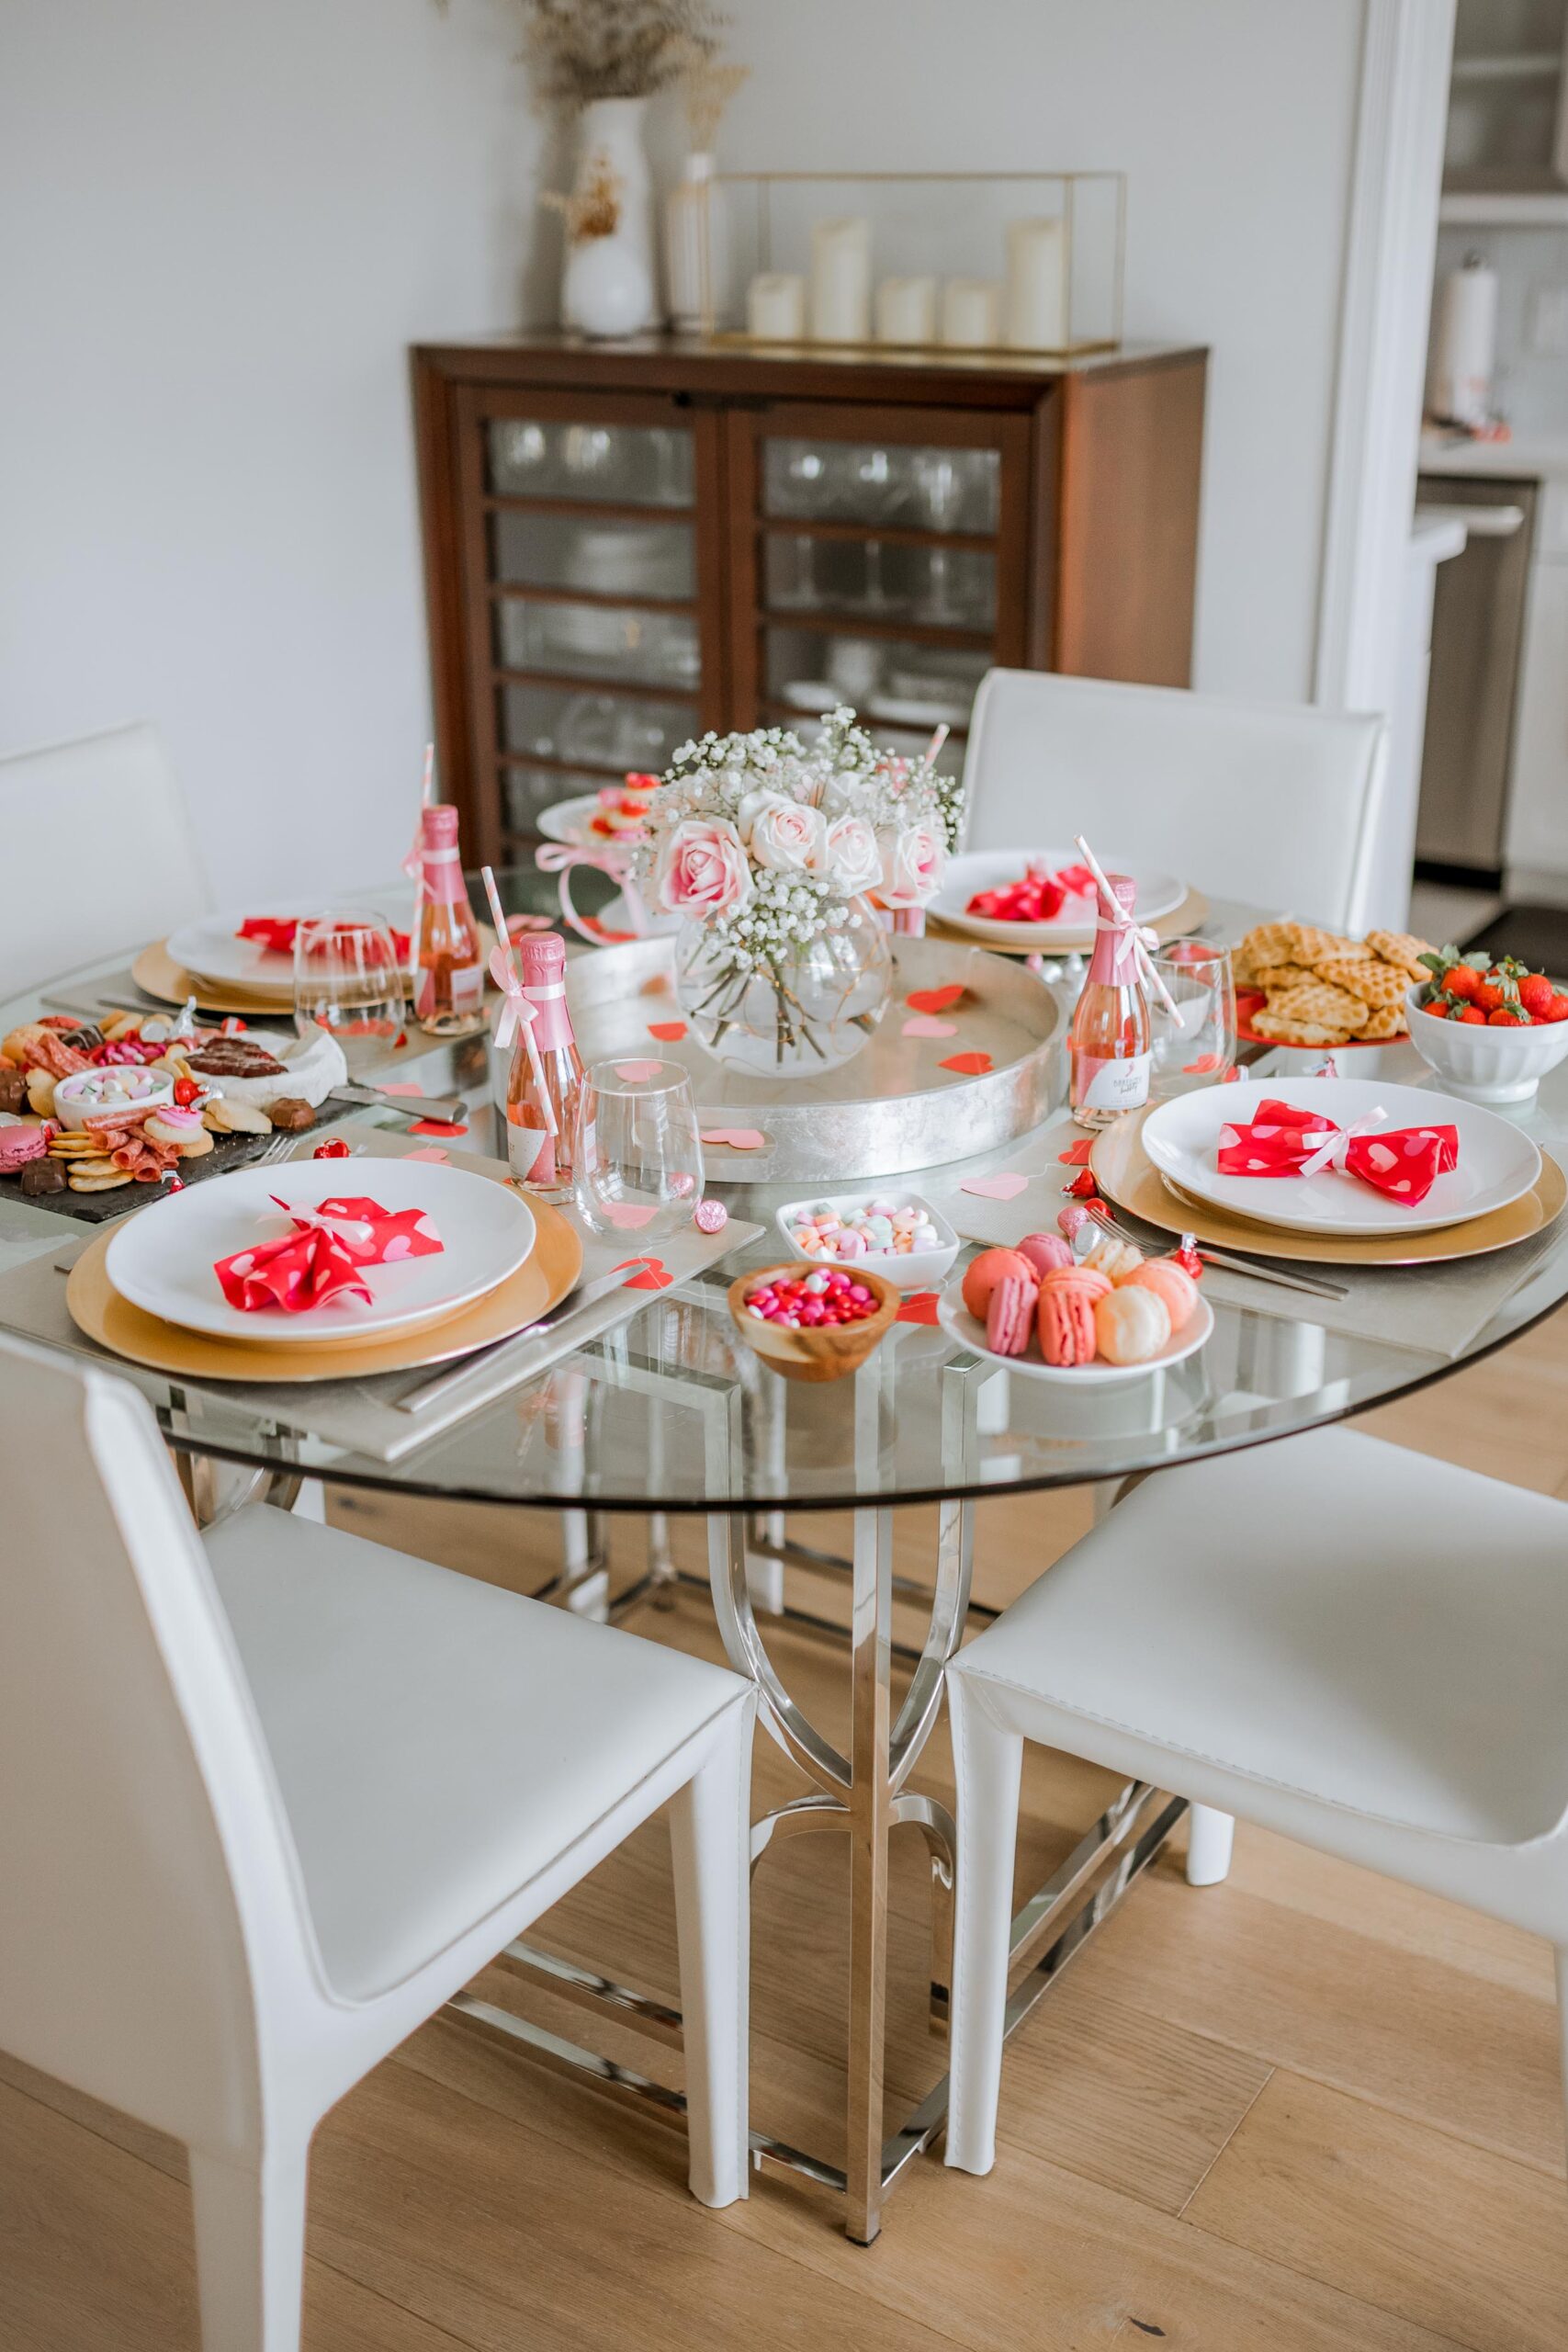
(1465, 344)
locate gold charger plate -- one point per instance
(1126, 1175)
(1194, 906)
(157, 971)
(551, 1268)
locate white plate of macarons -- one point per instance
(1111, 1316)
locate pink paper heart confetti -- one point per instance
(920, 1024)
(1004, 1187)
(628, 1214)
(635, 1072)
(431, 1151)
(400, 1086)
(736, 1138)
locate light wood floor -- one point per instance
(1304, 2111)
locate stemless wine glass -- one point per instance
(1199, 1047)
(348, 980)
(637, 1151)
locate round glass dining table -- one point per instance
(670, 1412)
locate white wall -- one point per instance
(222, 223)
(221, 226)
(1235, 121)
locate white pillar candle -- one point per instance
(775, 307)
(971, 313)
(906, 310)
(1037, 286)
(840, 281)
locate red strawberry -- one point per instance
(1487, 996)
(1439, 1008)
(1557, 1009)
(1461, 980)
(1473, 1014)
(1508, 1016)
(1535, 993)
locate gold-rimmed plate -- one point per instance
(96, 1307)
(1126, 1175)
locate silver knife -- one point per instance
(430, 1392)
(452, 1110)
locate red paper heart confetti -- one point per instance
(436, 1127)
(919, 1306)
(1076, 1155)
(655, 1274)
(1202, 1067)
(968, 1065)
(669, 1033)
(935, 999)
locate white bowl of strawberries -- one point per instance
(1491, 1031)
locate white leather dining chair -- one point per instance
(269, 1797)
(1271, 803)
(100, 829)
(1358, 1646)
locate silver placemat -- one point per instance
(361, 1416)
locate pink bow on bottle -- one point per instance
(517, 1018)
(561, 857)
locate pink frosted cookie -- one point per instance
(1068, 1300)
(982, 1277)
(1010, 1317)
(1168, 1281)
(21, 1142)
(1131, 1324)
(1045, 1251)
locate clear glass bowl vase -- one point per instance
(813, 1013)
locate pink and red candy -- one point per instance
(804, 1302)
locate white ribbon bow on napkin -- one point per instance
(1335, 1149)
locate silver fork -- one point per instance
(1312, 1284)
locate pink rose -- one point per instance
(786, 834)
(853, 859)
(913, 861)
(702, 869)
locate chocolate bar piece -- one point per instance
(291, 1113)
(44, 1176)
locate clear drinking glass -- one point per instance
(349, 980)
(637, 1151)
(1201, 1048)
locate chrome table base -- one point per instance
(863, 1794)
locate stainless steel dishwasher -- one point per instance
(1478, 624)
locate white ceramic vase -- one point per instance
(611, 146)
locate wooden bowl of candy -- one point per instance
(812, 1323)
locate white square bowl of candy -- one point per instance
(866, 1230)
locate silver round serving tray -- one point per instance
(891, 1109)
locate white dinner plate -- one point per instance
(987, 869)
(569, 820)
(162, 1259)
(1496, 1162)
(212, 949)
(960, 1325)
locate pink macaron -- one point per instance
(988, 1270)
(1010, 1315)
(1045, 1251)
(1067, 1299)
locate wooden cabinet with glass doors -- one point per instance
(627, 544)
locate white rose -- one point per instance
(913, 861)
(854, 862)
(787, 834)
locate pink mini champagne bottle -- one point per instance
(538, 1159)
(1109, 1041)
(449, 973)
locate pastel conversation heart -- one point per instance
(935, 999)
(1004, 1187)
(921, 1024)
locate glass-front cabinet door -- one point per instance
(591, 573)
(879, 556)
